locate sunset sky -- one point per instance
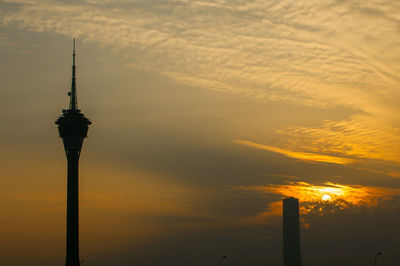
(206, 114)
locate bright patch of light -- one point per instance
(326, 197)
(329, 197)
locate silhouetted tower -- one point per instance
(291, 233)
(73, 128)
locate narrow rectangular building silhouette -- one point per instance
(291, 232)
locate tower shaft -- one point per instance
(291, 233)
(72, 245)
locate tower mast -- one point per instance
(72, 127)
(73, 100)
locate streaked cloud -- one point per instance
(312, 157)
(270, 49)
(362, 137)
(265, 50)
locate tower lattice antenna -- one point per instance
(73, 104)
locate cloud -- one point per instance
(272, 51)
(362, 136)
(268, 51)
(341, 196)
(322, 199)
(275, 51)
(311, 157)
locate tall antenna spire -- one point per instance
(73, 104)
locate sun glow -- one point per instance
(329, 197)
(337, 194)
(326, 197)
(322, 199)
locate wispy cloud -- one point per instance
(274, 50)
(362, 137)
(304, 156)
(266, 50)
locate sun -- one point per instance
(326, 197)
